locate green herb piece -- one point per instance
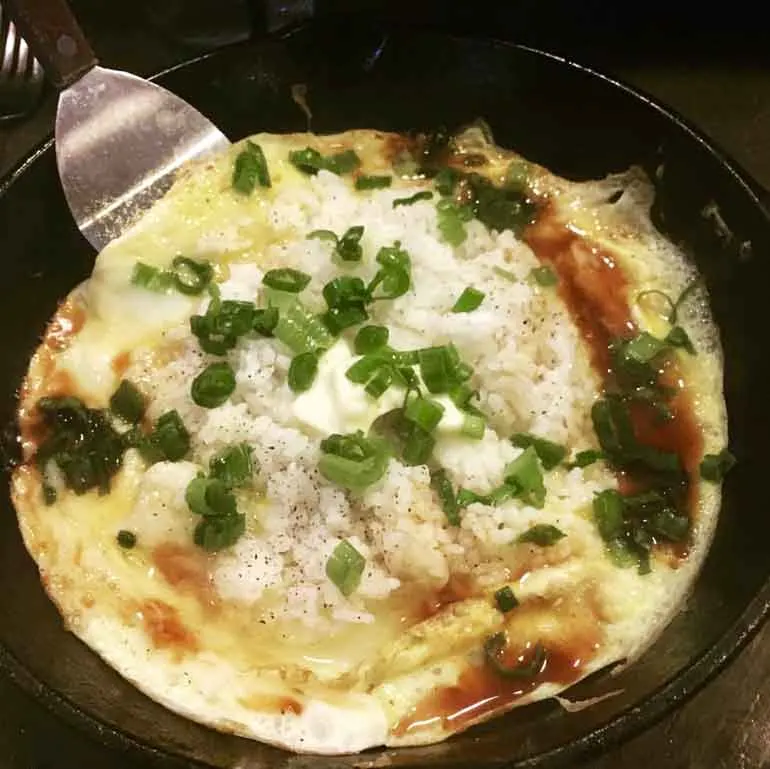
(586, 458)
(446, 180)
(303, 370)
(550, 453)
(286, 279)
(526, 476)
(309, 161)
(349, 245)
(474, 426)
(82, 443)
(364, 182)
(687, 292)
(495, 645)
(451, 220)
(667, 524)
(424, 412)
(126, 539)
(169, 438)
(542, 535)
(337, 319)
(613, 428)
(505, 599)
(128, 403)
(505, 274)
(232, 465)
(342, 162)
(210, 497)
(418, 446)
(608, 514)
(544, 276)
(322, 235)
(364, 369)
(300, 330)
(661, 294)
(213, 386)
(344, 291)
(394, 256)
(224, 322)
(678, 337)
(345, 567)
(714, 467)
(219, 532)
(250, 169)
(151, 278)
(416, 198)
(470, 299)
(499, 208)
(191, 277)
(643, 347)
(265, 320)
(441, 484)
(392, 281)
(380, 382)
(352, 461)
(370, 339)
(517, 175)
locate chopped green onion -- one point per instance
(544, 276)
(469, 300)
(394, 256)
(210, 497)
(128, 403)
(349, 245)
(190, 276)
(505, 274)
(434, 369)
(300, 330)
(363, 370)
(170, 436)
(322, 235)
(643, 347)
(441, 484)
(232, 465)
(424, 412)
(416, 198)
(370, 339)
(345, 567)
(657, 293)
(451, 220)
(345, 290)
(550, 453)
(286, 279)
(678, 337)
(213, 386)
(337, 319)
(151, 278)
(608, 514)
(473, 427)
(342, 162)
(309, 161)
(668, 525)
(364, 182)
(505, 599)
(714, 467)
(495, 645)
(542, 535)
(395, 282)
(265, 321)
(499, 208)
(446, 180)
(250, 168)
(418, 446)
(586, 458)
(380, 382)
(217, 533)
(303, 370)
(352, 461)
(526, 475)
(613, 428)
(126, 539)
(517, 175)
(687, 292)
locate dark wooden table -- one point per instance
(726, 92)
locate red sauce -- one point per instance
(186, 569)
(163, 625)
(68, 320)
(458, 588)
(121, 362)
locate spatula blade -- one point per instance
(119, 142)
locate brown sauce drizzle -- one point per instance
(187, 570)
(266, 703)
(164, 627)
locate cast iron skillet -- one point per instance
(580, 125)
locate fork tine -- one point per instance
(9, 49)
(22, 58)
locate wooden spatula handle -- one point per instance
(55, 37)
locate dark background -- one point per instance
(713, 66)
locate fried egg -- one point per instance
(363, 439)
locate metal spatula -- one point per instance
(119, 138)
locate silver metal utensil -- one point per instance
(21, 76)
(119, 139)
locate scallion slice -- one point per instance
(128, 403)
(470, 299)
(451, 220)
(151, 278)
(643, 347)
(416, 198)
(544, 276)
(714, 467)
(250, 169)
(364, 369)
(364, 182)
(345, 290)
(424, 412)
(170, 436)
(233, 465)
(300, 330)
(337, 319)
(345, 567)
(608, 514)
(526, 475)
(190, 276)
(441, 484)
(342, 162)
(550, 453)
(473, 426)
(349, 245)
(370, 339)
(286, 279)
(219, 532)
(418, 446)
(493, 649)
(213, 386)
(303, 370)
(542, 535)
(505, 599)
(265, 321)
(126, 539)
(434, 369)
(678, 337)
(380, 382)
(322, 235)
(209, 497)
(353, 461)
(586, 458)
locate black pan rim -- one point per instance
(623, 727)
